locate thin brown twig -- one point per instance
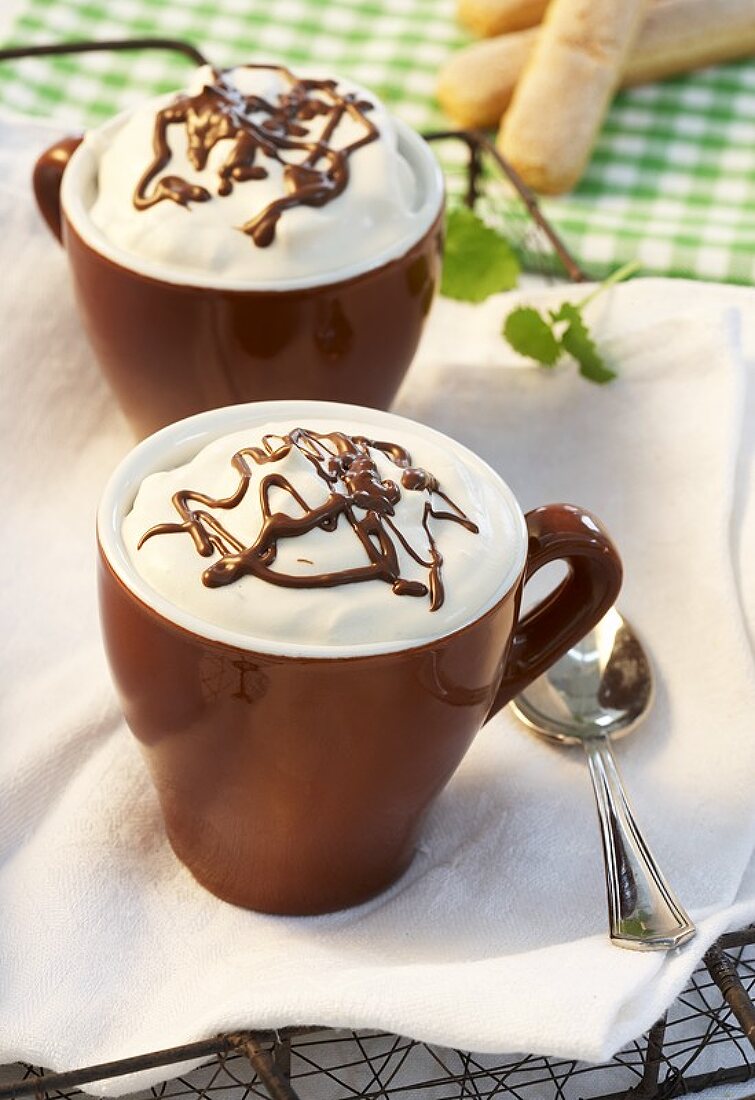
(476, 139)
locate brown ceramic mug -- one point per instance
(174, 346)
(295, 779)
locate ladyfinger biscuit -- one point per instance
(488, 17)
(678, 36)
(476, 84)
(558, 106)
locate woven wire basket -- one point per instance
(706, 1038)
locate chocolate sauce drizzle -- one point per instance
(314, 173)
(356, 492)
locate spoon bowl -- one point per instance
(604, 683)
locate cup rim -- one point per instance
(82, 164)
(177, 442)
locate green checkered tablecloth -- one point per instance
(672, 180)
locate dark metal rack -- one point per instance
(714, 1015)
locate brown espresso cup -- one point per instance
(295, 779)
(173, 345)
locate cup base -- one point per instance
(289, 894)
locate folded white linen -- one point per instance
(495, 939)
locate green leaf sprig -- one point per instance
(478, 261)
(547, 336)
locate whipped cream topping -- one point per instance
(210, 188)
(453, 530)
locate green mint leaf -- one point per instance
(544, 338)
(531, 335)
(578, 342)
(478, 260)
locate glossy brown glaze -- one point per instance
(47, 178)
(299, 785)
(169, 351)
(294, 785)
(561, 532)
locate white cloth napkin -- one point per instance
(495, 939)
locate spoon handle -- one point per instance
(644, 913)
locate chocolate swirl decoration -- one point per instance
(356, 492)
(314, 172)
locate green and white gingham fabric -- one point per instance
(671, 183)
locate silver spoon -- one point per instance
(602, 688)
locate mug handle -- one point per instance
(47, 178)
(560, 532)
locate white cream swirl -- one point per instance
(381, 211)
(476, 567)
